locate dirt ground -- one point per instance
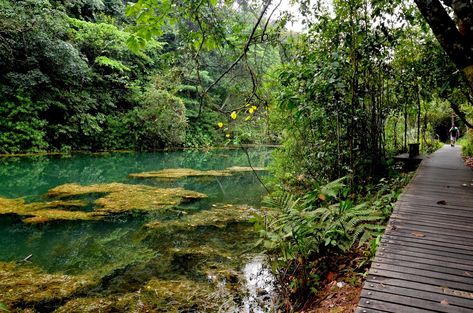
(337, 297)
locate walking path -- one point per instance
(425, 259)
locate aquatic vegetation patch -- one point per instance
(178, 173)
(158, 295)
(120, 198)
(40, 212)
(220, 215)
(116, 198)
(25, 285)
(130, 302)
(185, 294)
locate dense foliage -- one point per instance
(70, 81)
(366, 79)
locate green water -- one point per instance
(118, 249)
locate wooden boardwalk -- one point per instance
(425, 260)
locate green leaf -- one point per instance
(111, 63)
(4, 308)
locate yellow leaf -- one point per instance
(233, 115)
(220, 124)
(322, 197)
(247, 118)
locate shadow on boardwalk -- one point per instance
(425, 261)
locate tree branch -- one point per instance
(245, 48)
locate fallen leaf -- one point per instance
(444, 302)
(467, 274)
(442, 202)
(417, 234)
(330, 276)
(322, 197)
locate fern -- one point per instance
(111, 63)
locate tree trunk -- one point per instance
(455, 39)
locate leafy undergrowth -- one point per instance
(330, 233)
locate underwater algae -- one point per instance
(24, 284)
(178, 173)
(220, 215)
(125, 197)
(115, 198)
(158, 295)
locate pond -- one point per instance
(78, 233)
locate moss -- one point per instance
(117, 198)
(182, 295)
(237, 169)
(157, 295)
(40, 212)
(26, 285)
(219, 216)
(125, 197)
(178, 173)
(43, 216)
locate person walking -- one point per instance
(454, 134)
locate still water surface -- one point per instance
(119, 249)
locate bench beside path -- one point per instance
(425, 259)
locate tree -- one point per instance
(455, 35)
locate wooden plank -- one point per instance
(382, 282)
(422, 260)
(465, 281)
(384, 306)
(436, 207)
(435, 281)
(367, 310)
(426, 243)
(411, 301)
(425, 259)
(433, 220)
(399, 246)
(413, 227)
(465, 218)
(454, 261)
(428, 240)
(416, 264)
(406, 232)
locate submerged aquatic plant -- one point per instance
(26, 284)
(220, 215)
(178, 173)
(117, 198)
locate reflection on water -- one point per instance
(260, 284)
(124, 255)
